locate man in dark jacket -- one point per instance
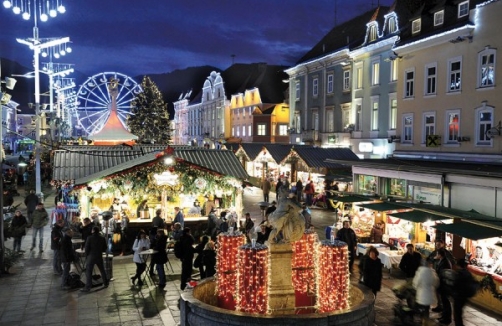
(94, 248)
(85, 229)
(187, 242)
(410, 261)
(442, 265)
(31, 202)
(40, 219)
(299, 190)
(160, 258)
(56, 237)
(347, 235)
(157, 221)
(67, 255)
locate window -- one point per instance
(329, 89)
(486, 74)
(393, 70)
(315, 87)
(244, 131)
(463, 9)
(345, 115)
(238, 131)
(454, 73)
(283, 130)
(346, 80)
(315, 120)
(330, 121)
(407, 128)
(484, 122)
(262, 129)
(359, 76)
(297, 122)
(392, 25)
(250, 128)
(297, 89)
(438, 18)
(374, 112)
(430, 79)
(393, 111)
(372, 33)
(409, 83)
(375, 73)
(359, 119)
(429, 125)
(416, 25)
(452, 126)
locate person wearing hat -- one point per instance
(67, 255)
(40, 220)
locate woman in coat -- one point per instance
(372, 271)
(209, 259)
(18, 229)
(160, 258)
(199, 249)
(141, 243)
(425, 282)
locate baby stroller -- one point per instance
(405, 310)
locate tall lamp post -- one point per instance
(4, 99)
(41, 10)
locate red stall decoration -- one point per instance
(252, 279)
(303, 270)
(332, 276)
(226, 268)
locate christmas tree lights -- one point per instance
(303, 264)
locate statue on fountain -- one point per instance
(287, 222)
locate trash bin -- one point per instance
(108, 262)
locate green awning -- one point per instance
(419, 216)
(383, 207)
(351, 199)
(469, 230)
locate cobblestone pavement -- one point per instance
(31, 294)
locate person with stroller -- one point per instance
(425, 283)
(372, 272)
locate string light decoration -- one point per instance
(252, 279)
(226, 267)
(303, 263)
(332, 272)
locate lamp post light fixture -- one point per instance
(41, 10)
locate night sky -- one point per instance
(158, 36)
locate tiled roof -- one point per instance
(252, 149)
(315, 157)
(222, 162)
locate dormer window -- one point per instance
(372, 33)
(463, 9)
(416, 25)
(392, 25)
(439, 18)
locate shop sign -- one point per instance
(427, 196)
(166, 178)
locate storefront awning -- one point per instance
(383, 207)
(351, 199)
(419, 216)
(469, 230)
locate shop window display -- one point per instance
(485, 254)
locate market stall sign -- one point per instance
(166, 179)
(469, 230)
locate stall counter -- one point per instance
(483, 298)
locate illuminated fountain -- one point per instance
(288, 281)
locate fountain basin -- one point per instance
(198, 307)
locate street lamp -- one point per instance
(5, 99)
(40, 10)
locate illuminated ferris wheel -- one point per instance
(94, 101)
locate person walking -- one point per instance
(18, 229)
(309, 191)
(372, 272)
(299, 190)
(85, 229)
(40, 219)
(347, 235)
(410, 261)
(265, 187)
(465, 288)
(56, 237)
(160, 257)
(278, 186)
(425, 283)
(199, 250)
(31, 202)
(67, 255)
(443, 290)
(94, 248)
(187, 251)
(141, 243)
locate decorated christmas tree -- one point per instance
(149, 118)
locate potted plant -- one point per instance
(11, 258)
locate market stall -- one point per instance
(345, 209)
(482, 245)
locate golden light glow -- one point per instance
(303, 263)
(226, 265)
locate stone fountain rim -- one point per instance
(368, 299)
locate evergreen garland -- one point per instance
(149, 118)
(488, 284)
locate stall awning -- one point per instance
(383, 207)
(419, 216)
(351, 199)
(469, 230)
